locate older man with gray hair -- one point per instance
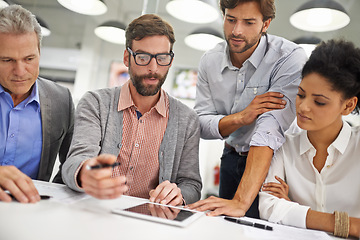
(36, 115)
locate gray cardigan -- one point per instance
(98, 129)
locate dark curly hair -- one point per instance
(267, 7)
(339, 62)
(148, 25)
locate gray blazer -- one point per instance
(98, 129)
(57, 119)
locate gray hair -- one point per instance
(15, 19)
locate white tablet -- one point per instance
(175, 216)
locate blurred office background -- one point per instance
(75, 56)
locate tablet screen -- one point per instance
(161, 211)
(173, 215)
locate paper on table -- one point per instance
(59, 192)
(282, 232)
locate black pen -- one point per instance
(247, 223)
(98, 166)
(42, 197)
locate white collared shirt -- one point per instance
(336, 187)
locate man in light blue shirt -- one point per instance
(36, 115)
(21, 124)
(245, 95)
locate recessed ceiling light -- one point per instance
(3, 4)
(88, 7)
(193, 11)
(111, 31)
(203, 39)
(320, 16)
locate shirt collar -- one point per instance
(33, 97)
(343, 138)
(226, 61)
(126, 101)
(305, 144)
(259, 53)
(340, 142)
(255, 58)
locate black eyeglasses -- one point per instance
(143, 59)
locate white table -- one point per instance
(91, 218)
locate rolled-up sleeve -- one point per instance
(271, 126)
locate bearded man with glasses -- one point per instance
(154, 137)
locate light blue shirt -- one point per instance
(20, 132)
(223, 89)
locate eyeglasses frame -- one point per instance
(151, 57)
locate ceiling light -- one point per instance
(308, 43)
(111, 31)
(320, 16)
(45, 30)
(193, 11)
(203, 39)
(3, 4)
(88, 7)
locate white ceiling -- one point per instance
(68, 27)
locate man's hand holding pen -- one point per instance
(18, 184)
(95, 178)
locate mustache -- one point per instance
(237, 37)
(151, 75)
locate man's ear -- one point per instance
(172, 60)
(350, 105)
(126, 58)
(266, 25)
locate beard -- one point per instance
(247, 46)
(249, 43)
(149, 90)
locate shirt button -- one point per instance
(136, 145)
(12, 135)
(140, 121)
(131, 168)
(119, 145)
